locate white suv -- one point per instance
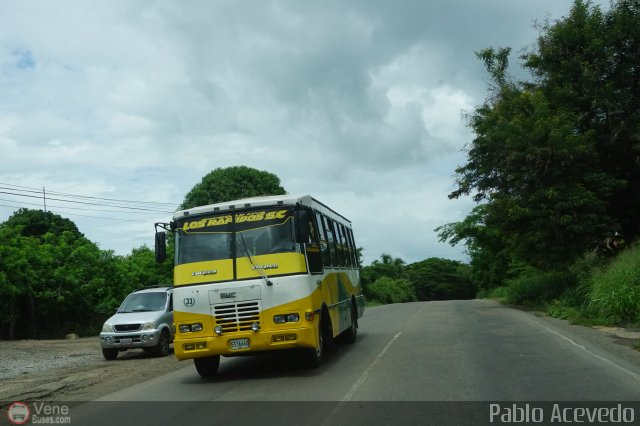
(144, 320)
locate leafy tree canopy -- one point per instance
(441, 279)
(54, 281)
(36, 223)
(232, 183)
(556, 160)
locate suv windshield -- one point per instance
(223, 237)
(144, 302)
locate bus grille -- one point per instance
(236, 316)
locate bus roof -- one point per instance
(264, 201)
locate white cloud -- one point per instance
(357, 103)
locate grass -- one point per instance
(615, 293)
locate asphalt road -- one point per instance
(405, 354)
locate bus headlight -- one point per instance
(190, 328)
(281, 319)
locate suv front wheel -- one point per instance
(110, 354)
(162, 349)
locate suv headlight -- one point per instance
(107, 328)
(148, 325)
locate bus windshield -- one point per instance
(220, 237)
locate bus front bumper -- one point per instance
(244, 343)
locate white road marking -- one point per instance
(366, 373)
(363, 377)
(607, 361)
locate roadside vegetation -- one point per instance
(555, 169)
(54, 281)
(390, 280)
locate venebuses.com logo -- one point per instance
(20, 413)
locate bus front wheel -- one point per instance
(207, 367)
(316, 355)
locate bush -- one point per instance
(441, 279)
(615, 294)
(389, 290)
(537, 288)
(499, 293)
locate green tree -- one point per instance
(388, 290)
(143, 270)
(48, 268)
(231, 183)
(393, 271)
(387, 266)
(490, 259)
(588, 66)
(53, 280)
(556, 161)
(35, 223)
(441, 279)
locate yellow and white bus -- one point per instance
(262, 274)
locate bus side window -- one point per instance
(347, 246)
(354, 254)
(314, 255)
(324, 245)
(331, 240)
(342, 244)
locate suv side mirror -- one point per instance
(302, 226)
(161, 247)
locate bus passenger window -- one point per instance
(314, 256)
(324, 245)
(331, 240)
(346, 246)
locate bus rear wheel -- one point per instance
(350, 334)
(207, 367)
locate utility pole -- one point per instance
(44, 199)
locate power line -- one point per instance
(76, 208)
(28, 189)
(88, 202)
(69, 204)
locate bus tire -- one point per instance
(327, 332)
(351, 333)
(315, 356)
(207, 367)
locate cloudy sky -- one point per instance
(358, 103)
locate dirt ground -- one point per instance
(72, 370)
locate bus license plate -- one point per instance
(239, 344)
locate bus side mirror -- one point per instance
(161, 246)
(302, 226)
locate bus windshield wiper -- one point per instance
(255, 266)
